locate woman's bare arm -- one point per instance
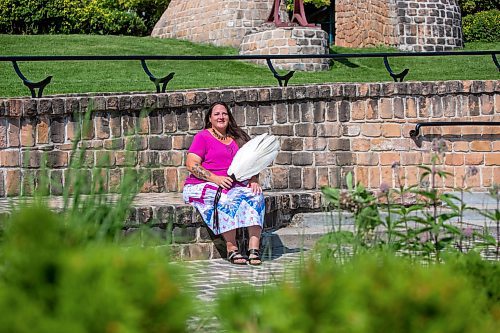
(193, 164)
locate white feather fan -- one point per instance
(254, 156)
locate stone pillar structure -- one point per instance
(288, 40)
(218, 22)
(409, 25)
(362, 23)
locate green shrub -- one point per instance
(149, 11)
(370, 294)
(316, 3)
(50, 282)
(483, 275)
(483, 26)
(474, 6)
(131, 17)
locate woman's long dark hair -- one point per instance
(233, 130)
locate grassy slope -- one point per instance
(108, 76)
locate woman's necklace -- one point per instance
(218, 135)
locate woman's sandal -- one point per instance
(236, 258)
(254, 257)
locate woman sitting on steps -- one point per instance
(241, 204)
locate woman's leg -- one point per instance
(254, 232)
(230, 238)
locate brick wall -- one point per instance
(218, 22)
(325, 131)
(410, 25)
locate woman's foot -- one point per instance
(254, 257)
(236, 258)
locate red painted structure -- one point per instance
(298, 16)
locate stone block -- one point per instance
(10, 158)
(169, 122)
(57, 159)
(30, 108)
(136, 143)
(329, 130)
(57, 130)
(27, 133)
(311, 143)
(3, 133)
(324, 159)
(294, 113)
(345, 158)
(344, 111)
(294, 178)
(42, 130)
(305, 130)
(281, 113)
(14, 131)
(196, 120)
(105, 159)
(279, 177)
(160, 142)
(251, 115)
(29, 159)
(292, 144)
(149, 159)
(171, 158)
(286, 130)
(56, 182)
(302, 158)
(13, 182)
(265, 114)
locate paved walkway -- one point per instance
(209, 277)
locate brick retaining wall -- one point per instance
(325, 131)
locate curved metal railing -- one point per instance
(282, 79)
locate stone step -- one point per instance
(171, 219)
(294, 221)
(306, 228)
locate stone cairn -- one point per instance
(279, 36)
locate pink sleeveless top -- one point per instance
(216, 157)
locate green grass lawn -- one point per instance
(125, 76)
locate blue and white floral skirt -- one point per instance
(238, 207)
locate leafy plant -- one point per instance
(50, 280)
(372, 293)
(474, 6)
(482, 26)
(362, 203)
(415, 221)
(316, 3)
(130, 17)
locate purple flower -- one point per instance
(384, 188)
(424, 237)
(439, 146)
(467, 232)
(472, 171)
